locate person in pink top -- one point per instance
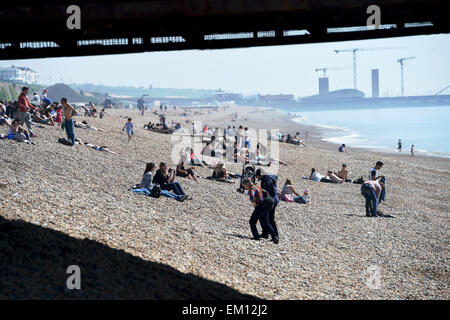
(24, 109)
(59, 114)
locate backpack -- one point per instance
(65, 142)
(156, 191)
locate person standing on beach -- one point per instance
(399, 145)
(269, 183)
(247, 138)
(69, 112)
(129, 127)
(371, 191)
(24, 110)
(261, 201)
(374, 176)
(412, 151)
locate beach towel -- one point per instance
(155, 193)
(143, 191)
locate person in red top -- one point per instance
(24, 109)
(59, 114)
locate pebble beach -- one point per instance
(328, 249)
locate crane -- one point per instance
(354, 50)
(324, 70)
(401, 61)
(442, 90)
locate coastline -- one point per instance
(335, 135)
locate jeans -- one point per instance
(171, 195)
(261, 213)
(371, 199)
(26, 136)
(68, 125)
(271, 221)
(26, 117)
(383, 190)
(175, 187)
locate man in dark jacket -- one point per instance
(269, 183)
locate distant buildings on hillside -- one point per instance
(19, 74)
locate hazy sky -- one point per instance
(278, 69)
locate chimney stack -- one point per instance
(375, 84)
(323, 85)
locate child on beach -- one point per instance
(412, 151)
(59, 115)
(129, 127)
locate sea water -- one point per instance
(428, 128)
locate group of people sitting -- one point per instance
(288, 138)
(156, 182)
(331, 177)
(16, 132)
(16, 114)
(220, 143)
(373, 189)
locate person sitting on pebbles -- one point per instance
(147, 184)
(42, 119)
(343, 173)
(288, 192)
(220, 173)
(334, 178)
(20, 136)
(185, 173)
(166, 179)
(18, 133)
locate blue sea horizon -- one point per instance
(379, 128)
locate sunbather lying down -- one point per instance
(98, 148)
(86, 126)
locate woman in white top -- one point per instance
(315, 176)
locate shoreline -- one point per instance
(256, 117)
(322, 133)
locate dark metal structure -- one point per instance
(32, 29)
